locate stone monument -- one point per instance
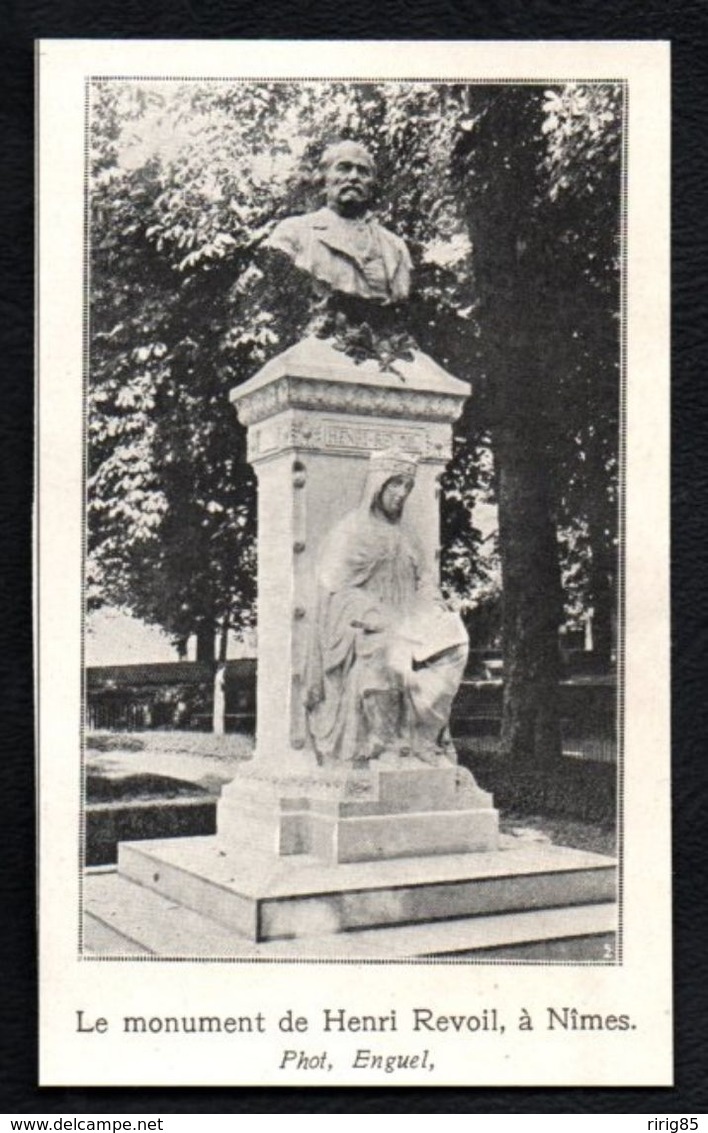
(358, 662)
(353, 826)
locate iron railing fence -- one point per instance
(588, 710)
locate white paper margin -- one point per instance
(641, 985)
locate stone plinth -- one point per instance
(259, 897)
(399, 859)
(314, 417)
(367, 816)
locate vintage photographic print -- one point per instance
(352, 561)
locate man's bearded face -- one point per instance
(393, 496)
(349, 180)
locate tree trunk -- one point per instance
(223, 640)
(517, 309)
(602, 570)
(219, 702)
(532, 604)
(602, 598)
(205, 643)
(219, 709)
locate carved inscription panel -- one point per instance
(295, 429)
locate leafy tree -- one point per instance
(539, 173)
(583, 125)
(176, 210)
(185, 184)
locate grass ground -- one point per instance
(220, 748)
(596, 837)
(136, 765)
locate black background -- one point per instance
(685, 24)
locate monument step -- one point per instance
(125, 919)
(268, 898)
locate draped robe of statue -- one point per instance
(385, 658)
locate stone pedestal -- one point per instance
(314, 417)
(371, 816)
(342, 863)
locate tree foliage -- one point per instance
(186, 182)
(540, 174)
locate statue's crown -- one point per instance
(395, 462)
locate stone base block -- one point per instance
(123, 919)
(261, 898)
(378, 837)
(389, 812)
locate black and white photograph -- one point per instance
(367, 656)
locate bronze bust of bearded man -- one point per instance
(359, 272)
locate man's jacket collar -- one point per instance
(325, 224)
